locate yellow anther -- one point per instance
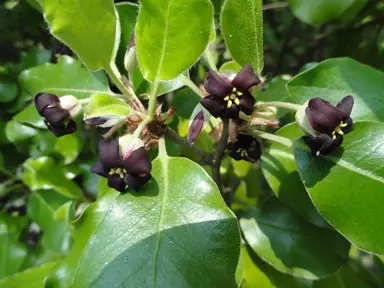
(234, 90)
(342, 125)
(334, 135)
(238, 93)
(226, 98)
(229, 104)
(14, 213)
(112, 171)
(237, 101)
(233, 97)
(125, 171)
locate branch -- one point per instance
(219, 154)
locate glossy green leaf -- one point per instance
(163, 235)
(242, 27)
(106, 105)
(280, 170)
(18, 133)
(69, 146)
(43, 173)
(85, 227)
(42, 206)
(164, 33)
(127, 15)
(346, 186)
(317, 12)
(67, 77)
(31, 278)
(291, 245)
(88, 27)
(336, 78)
(8, 89)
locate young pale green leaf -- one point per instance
(42, 206)
(104, 105)
(280, 171)
(85, 227)
(242, 27)
(286, 241)
(175, 232)
(317, 12)
(168, 30)
(69, 146)
(334, 79)
(88, 27)
(42, 173)
(33, 277)
(346, 186)
(8, 89)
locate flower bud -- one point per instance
(71, 104)
(128, 144)
(130, 61)
(199, 118)
(303, 121)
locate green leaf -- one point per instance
(18, 133)
(291, 245)
(43, 173)
(69, 146)
(127, 15)
(42, 206)
(242, 27)
(85, 227)
(346, 186)
(317, 12)
(8, 89)
(280, 171)
(163, 236)
(88, 27)
(164, 33)
(106, 105)
(334, 79)
(32, 278)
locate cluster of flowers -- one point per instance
(126, 162)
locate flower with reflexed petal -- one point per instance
(58, 112)
(130, 168)
(227, 98)
(245, 148)
(329, 122)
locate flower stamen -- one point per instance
(118, 171)
(338, 129)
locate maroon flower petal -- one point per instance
(323, 116)
(216, 85)
(99, 169)
(96, 120)
(138, 162)
(116, 182)
(109, 154)
(245, 79)
(244, 141)
(135, 182)
(62, 129)
(346, 105)
(247, 143)
(56, 115)
(232, 112)
(322, 144)
(215, 106)
(247, 101)
(43, 100)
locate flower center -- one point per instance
(338, 129)
(233, 97)
(242, 152)
(118, 171)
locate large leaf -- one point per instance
(127, 14)
(106, 105)
(42, 173)
(336, 78)
(291, 245)
(31, 278)
(347, 185)
(242, 27)
(280, 170)
(85, 227)
(67, 77)
(317, 12)
(164, 33)
(164, 235)
(88, 27)
(8, 89)
(42, 206)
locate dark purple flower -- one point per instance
(16, 211)
(330, 122)
(245, 148)
(195, 127)
(227, 98)
(133, 169)
(57, 119)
